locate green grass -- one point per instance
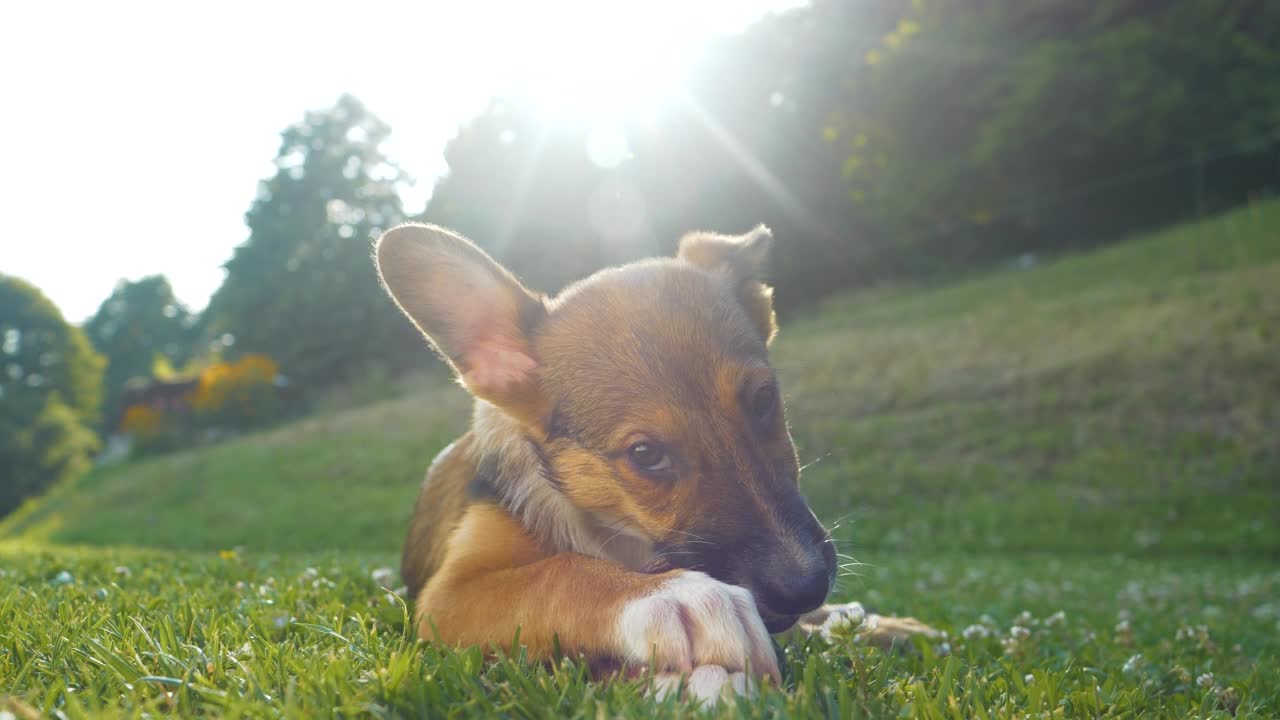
(257, 636)
(1098, 435)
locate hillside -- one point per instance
(1126, 400)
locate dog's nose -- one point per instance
(797, 595)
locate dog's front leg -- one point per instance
(883, 631)
(495, 579)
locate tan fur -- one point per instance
(497, 578)
(540, 519)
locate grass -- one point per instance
(111, 632)
(1097, 435)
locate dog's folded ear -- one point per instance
(475, 313)
(741, 259)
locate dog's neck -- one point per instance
(545, 511)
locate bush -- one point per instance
(50, 390)
(238, 395)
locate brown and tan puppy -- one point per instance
(628, 489)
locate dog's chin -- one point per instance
(777, 623)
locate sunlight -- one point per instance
(578, 60)
(610, 70)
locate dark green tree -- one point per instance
(984, 128)
(50, 390)
(302, 289)
(139, 321)
(883, 138)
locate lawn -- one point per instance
(1096, 435)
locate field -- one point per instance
(1097, 435)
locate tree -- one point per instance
(138, 322)
(50, 390)
(887, 138)
(987, 128)
(302, 289)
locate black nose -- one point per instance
(798, 594)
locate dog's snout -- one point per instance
(797, 594)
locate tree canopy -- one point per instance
(140, 321)
(50, 390)
(887, 138)
(302, 289)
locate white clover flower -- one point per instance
(1134, 664)
(1018, 632)
(123, 571)
(943, 649)
(1024, 618)
(1205, 680)
(1028, 679)
(847, 621)
(1199, 634)
(384, 576)
(1056, 619)
(976, 632)
(1122, 627)
(311, 573)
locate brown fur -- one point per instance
(540, 517)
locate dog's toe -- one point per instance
(706, 684)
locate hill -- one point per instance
(1126, 400)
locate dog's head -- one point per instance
(648, 393)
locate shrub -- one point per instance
(237, 395)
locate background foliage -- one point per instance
(50, 391)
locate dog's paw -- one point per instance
(852, 621)
(706, 684)
(692, 620)
(889, 633)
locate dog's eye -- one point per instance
(764, 402)
(649, 455)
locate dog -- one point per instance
(628, 490)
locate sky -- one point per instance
(136, 133)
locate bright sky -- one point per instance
(136, 133)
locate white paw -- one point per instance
(705, 683)
(693, 620)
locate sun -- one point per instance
(587, 59)
(579, 59)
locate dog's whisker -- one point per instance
(814, 461)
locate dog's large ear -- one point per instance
(474, 312)
(741, 259)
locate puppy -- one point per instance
(628, 490)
